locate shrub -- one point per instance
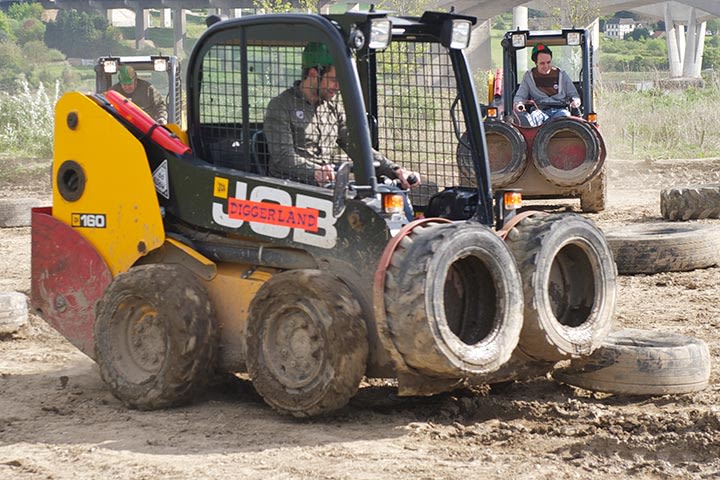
(26, 120)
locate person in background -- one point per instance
(141, 93)
(548, 87)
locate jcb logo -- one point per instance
(271, 212)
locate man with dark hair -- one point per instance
(305, 124)
(141, 93)
(548, 87)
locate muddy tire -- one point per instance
(453, 300)
(567, 152)
(569, 288)
(642, 362)
(664, 247)
(155, 336)
(306, 342)
(690, 202)
(593, 199)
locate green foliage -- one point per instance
(24, 11)
(11, 59)
(6, 30)
(638, 34)
(26, 120)
(80, 34)
(29, 30)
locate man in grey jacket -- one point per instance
(305, 125)
(548, 87)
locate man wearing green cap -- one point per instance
(548, 87)
(141, 93)
(305, 124)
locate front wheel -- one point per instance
(155, 336)
(306, 342)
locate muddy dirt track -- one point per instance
(58, 421)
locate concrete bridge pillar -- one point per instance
(520, 20)
(142, 19)
(479, 51)
(179, 31)
(694, 46)
(165, 18)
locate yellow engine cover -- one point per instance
(102, 183)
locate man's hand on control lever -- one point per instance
(407, 179)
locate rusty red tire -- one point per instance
(690, 202)
(642, 362)
(453, 300)
(155, 336)
(307, 343)
(567, 152)
(568, 277)
(664, 247)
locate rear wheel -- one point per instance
(307, 343)
(593, 199)
(690, 202)
(568, 280)
(453, 300)
(155, 336)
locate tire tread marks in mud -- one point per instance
(642, 362)
(664, 247)
(568, 284)
(307, 343)
(453, 300)
(690, 202)
(155, 336)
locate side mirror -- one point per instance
(342, 181)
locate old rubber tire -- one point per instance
(569, 288)
(13, 312)
(306, 342)
(690, 202)
(642, 362)
(155, 336)
(593, 199)
(567, 152)
(664, 247)
(453, 300)
(507, 155)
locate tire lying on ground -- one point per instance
(569, 289)
(664, 247)
(307, 343)
(690, 202)
(13, 311)
(155, 336)
(567, 152)
(642, 362)
(15, 212)
(453, 300)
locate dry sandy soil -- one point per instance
(57, 419)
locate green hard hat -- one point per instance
(316, 54)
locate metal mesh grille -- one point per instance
(416, 90)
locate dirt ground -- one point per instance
(58, 421)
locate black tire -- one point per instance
(642, 362)
(453, 300)
(552, 145)
(155, 336)
(664, 247)
(306, 342)
(568, 284)
(593, 199)
(507, 155)
(690, 202)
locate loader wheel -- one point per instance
(642, 362)
(690, 202)
(664, 247)
(567, 152)
(306, 342)
(568, 277)
(155, 336)
(593, 199)
(453, 300)
(507, 152)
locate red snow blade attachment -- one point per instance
(68, 277)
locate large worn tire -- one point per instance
(567, 152)
(306, 342)
(664, 247)
(594, 198)
(690, 202)
(453, 300)
(568, 284)
(155, 336)
(642, 362)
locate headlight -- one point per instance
(456, 34)
(573, 38)
(380, 33)
(518, 40)
(160, 65)
(110, 66)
